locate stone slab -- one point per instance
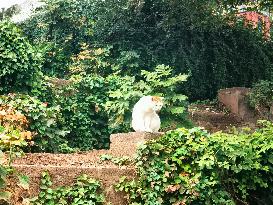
(235, 100)
(65, 168)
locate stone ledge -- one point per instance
(235, 100)
(64, 176)
(125, 144)
(64, 168)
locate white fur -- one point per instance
(145, 117)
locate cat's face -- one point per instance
(157, 103)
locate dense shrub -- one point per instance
(59, 30)
(43, 121)
(194, 167)
(260, 98)
(70, 117)
(80, 100)
(94, 106)
(80, 113)
(261, 94)
(19, 61)
(189, 36)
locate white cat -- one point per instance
(144, 116)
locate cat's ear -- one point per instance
(157, 98)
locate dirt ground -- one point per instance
(216, 117)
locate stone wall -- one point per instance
(235, 100)
(65, 168)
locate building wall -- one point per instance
(256, 20)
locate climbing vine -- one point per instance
(85, 190)
(190, 166)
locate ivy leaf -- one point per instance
(23, 181)
(177, 110)
(50, 122)
(270, 158)
(172, 188)
(5, 195)
(179, 98)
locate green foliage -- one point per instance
(94, 106)
(4, 172)
(60, 28)
(261, 94)
(84, 191)
(43, 121)
(92, 61)
(257, 5)
(70, 117)
(9, 12)
(12, 140)
(193, 167)
(19, 61)
(162, 82)
(128, 90)
(260, 98)
(80, 100)
(125, 160)
(190, 37)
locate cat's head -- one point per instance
(157, 103)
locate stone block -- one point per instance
(235, 100)
(65, 168)
(125, 144)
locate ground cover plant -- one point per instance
(191, 166)
(85, 190)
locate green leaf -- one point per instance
(23, 181)
(5, 195)
(177, 110)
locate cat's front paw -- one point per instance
(149, 130)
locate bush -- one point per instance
(59, 28)
(189, 36)
(44, 122)
(13, 128)
(125, 91)
(20, 62)
(194, 167)
(14, 135)
(261, 97)
(94, 106)
(80, 100)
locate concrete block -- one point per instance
(65, 168)
(235, 100)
